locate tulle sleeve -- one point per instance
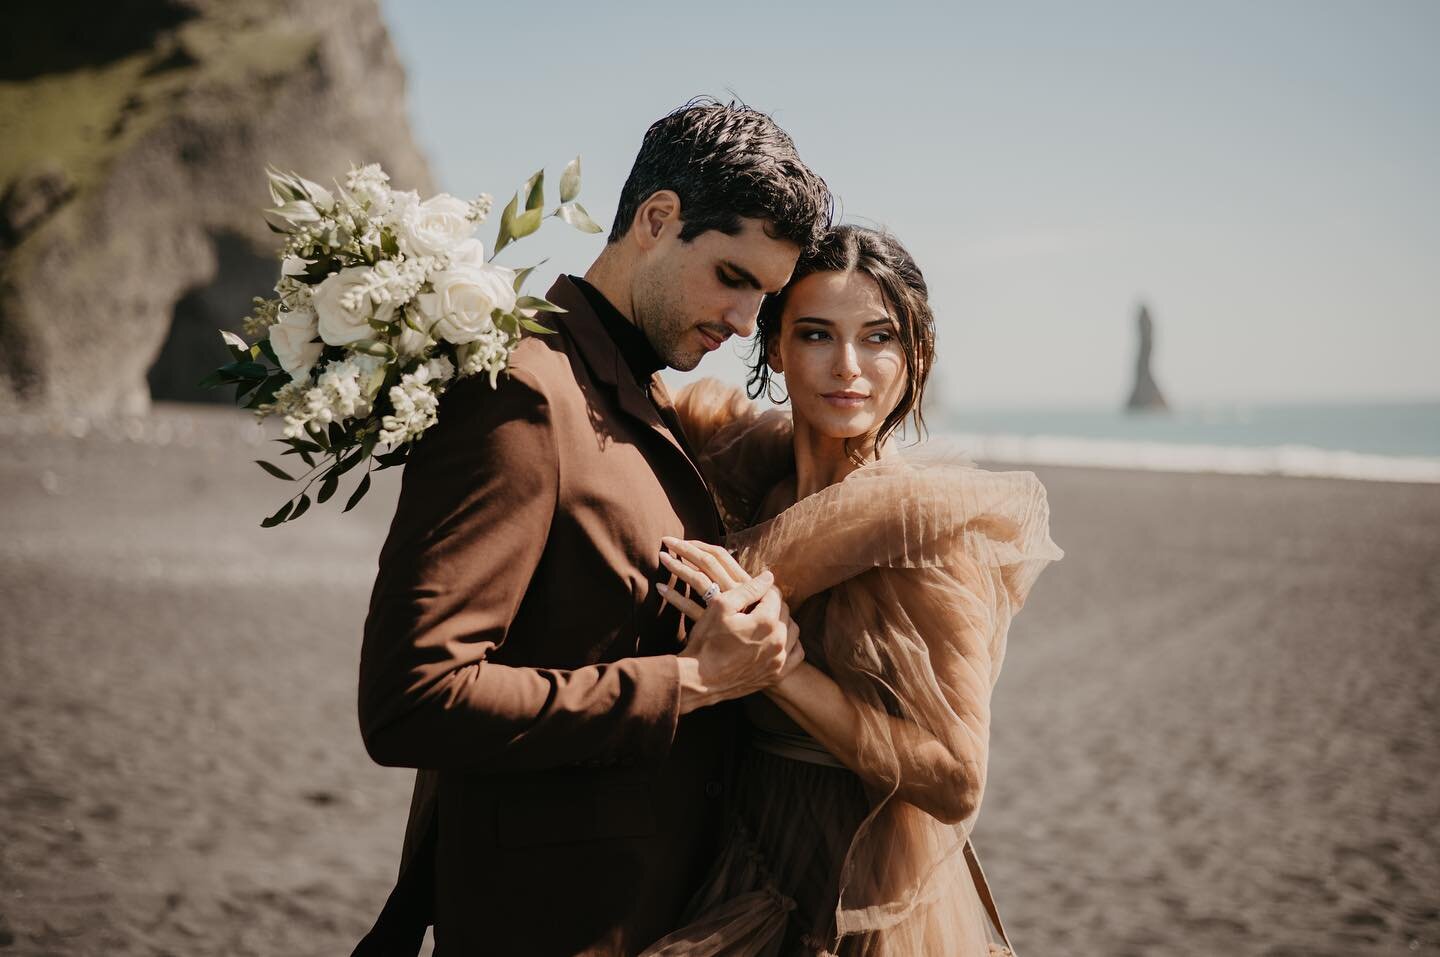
(924, 562)
(742, 450)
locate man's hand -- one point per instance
(743, 641)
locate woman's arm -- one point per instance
(942, 774)
(942, 779)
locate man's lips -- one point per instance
(712, 339)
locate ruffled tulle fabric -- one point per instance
(904, 577)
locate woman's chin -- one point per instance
(838, 426)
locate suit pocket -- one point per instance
(579, 812)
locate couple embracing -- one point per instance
(683, 677)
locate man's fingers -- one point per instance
(691, 609)
(770, 604)
(743, 596)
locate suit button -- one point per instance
(713, 789)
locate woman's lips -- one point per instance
(845, 400)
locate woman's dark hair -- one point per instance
(726, 162)
(880, 256)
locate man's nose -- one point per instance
(741, 319)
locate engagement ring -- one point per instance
(710, 593)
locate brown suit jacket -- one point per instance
(517, 653)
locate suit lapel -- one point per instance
(606, 364)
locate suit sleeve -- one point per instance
(475, 510)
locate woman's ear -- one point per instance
(772, 355)
(658, 214)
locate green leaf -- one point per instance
(279, 516)
(266, 392)
(358, 494)
(327, 488)
(527, 222)
(338, 438)
(236, 345)
(536, 302)
(348, 463)
(570, 181)
(244, 370)
(535, 327)
(575, 215)
(303, 446)
(534, 190)
(267, 350)
(393, 457)
(505, 236)
(213, 381)
(300, 508)
(274, 470)
(523, 274)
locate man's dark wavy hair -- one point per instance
(727, 162)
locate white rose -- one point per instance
(340, 326)
(433, 227)
(292, 338)
(411, 341)
(463, 298)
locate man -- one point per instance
(517, 651)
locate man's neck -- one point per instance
(610, 276)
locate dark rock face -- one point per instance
(1145, 396)
(132, 185)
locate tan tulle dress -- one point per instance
(903, 578)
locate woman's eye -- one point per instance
(881, 337)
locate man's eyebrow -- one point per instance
(744, 274)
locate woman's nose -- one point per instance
(847, 364)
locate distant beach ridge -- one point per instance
(1381, 441)
(1296, 461)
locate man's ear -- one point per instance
(658, 216)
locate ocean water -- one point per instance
(1391, 440)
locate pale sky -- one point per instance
(1265, 175)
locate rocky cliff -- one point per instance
(1145, 395)
(132, 179)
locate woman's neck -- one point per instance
(821, 460)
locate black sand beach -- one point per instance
(1217, 731)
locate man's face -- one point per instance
(692, 296)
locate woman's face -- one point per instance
(839, 349)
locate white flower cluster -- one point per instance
(415, 401)
(345, 388)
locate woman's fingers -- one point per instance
(706, 561)
(691, 609)
(698, 581)
(731, 563)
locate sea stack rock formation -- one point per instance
(1145, 396)
(133, 179)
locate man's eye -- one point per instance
(814, 335)
(734, 282)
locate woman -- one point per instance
(857, 790)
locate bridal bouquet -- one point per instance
(383, 300)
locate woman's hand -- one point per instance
(711, 571)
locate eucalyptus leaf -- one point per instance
(570, 181)
(534, 190)
(274, 470)
(523, 274)
(393, 457)
(535, 327)
(575, 215)
(358, 494)
(536, 302)
(300, 508)
(527, 222)
(348, 463)
(504, 236)
(279, 516)
(327, 489)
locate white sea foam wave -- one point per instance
(1289, 460)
